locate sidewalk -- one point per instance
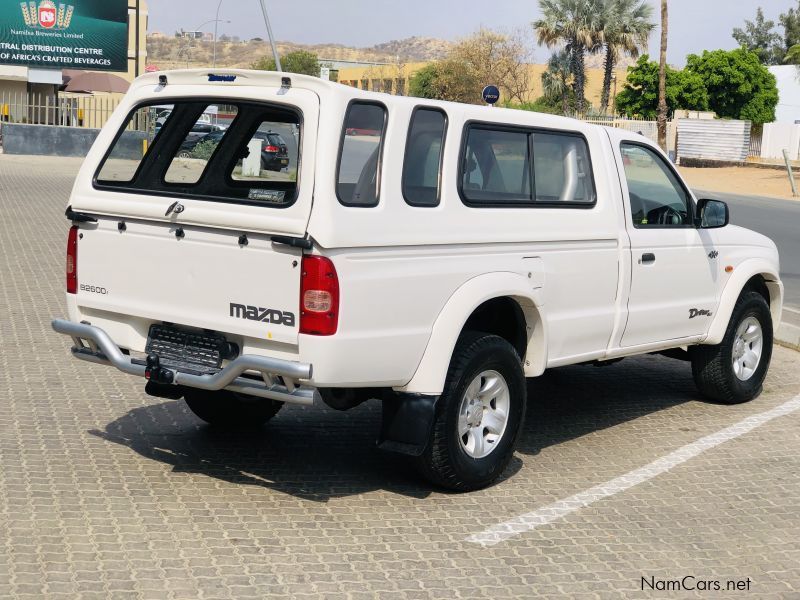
(753, 181)
(788, 334)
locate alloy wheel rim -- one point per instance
(483, 414)
(748, 346)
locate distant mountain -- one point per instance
(170, 52)
(414, 49)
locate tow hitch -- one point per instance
(154, 372)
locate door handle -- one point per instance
(647, 258)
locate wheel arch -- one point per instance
(476, 305)
(758, 275)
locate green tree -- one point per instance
(739, 86)
(758, 36)
(790, 20)
(556, 80)
(792, 55)
(496, 58)
(576, 25)
(301, 62)
(423, 83)
(625, 28)
(484, 58)
(542, 104)
(447, 80)
(639, 96)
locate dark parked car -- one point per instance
(193, 141)
(274, 152)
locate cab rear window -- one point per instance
(227, 152)
(358, 179)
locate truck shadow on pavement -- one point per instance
(317, 454)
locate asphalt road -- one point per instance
(777, 219)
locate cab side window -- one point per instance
(422, 166)
(562, 172)
(656, 195)
(496, 166)
(516, 166)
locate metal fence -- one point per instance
(66, 110)
(720, 139)
(644, 127)
(756, 138)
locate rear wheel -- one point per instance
(734, 370)
(229, 409)
(479, 415)
(184, 154)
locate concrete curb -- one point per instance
(788, 333)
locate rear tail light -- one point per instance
(72, 260)
(319, 296)
(271, 149)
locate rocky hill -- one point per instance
(169, 52)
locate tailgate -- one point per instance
(205, 279)
(184, 226)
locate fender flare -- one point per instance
(733, 288)
(431, 372)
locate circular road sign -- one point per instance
(491, 94)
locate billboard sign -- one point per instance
(90, 35)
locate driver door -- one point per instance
(673, 279)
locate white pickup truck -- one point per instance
(427, 254)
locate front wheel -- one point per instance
(733, 371)
(229, 409)
(479, 415)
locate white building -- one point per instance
(788, 109)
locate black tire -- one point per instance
(712, 366)
(445, 462)
(231, 410)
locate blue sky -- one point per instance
(694, 24)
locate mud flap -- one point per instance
(407, 423)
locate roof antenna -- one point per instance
(271, 39)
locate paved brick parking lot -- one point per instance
(108, 493)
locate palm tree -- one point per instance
(662, 81)
(575, 24)
(626, 27)
(792, 56)
(557, 78)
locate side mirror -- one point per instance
(713, 214)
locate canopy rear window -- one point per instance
(228, 152)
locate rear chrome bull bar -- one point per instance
(94, 345)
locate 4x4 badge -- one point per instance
(713, 254)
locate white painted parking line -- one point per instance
(556, 510)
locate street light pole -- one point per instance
(271, 39)
(216, 22)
